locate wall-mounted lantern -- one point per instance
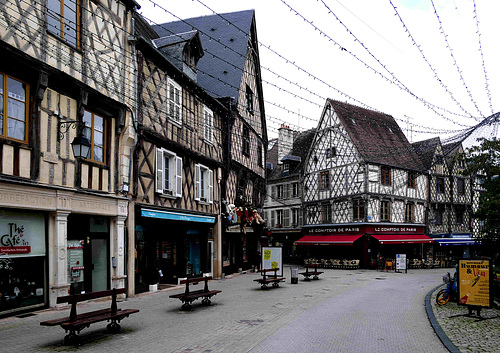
(81, 144)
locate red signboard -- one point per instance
(364, 229)
(15, 249)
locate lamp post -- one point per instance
(81, 144)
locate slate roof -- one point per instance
(221, 69)
(174, 39)
(426, 150)
(377, 136)
(301, 145)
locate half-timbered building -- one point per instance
(365, 190)
(283, 204)
(449, 220)
(64, 82)
(177, 162)
(230, 72)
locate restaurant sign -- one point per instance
(364, 228)
(474, 282)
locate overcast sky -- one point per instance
(365, 52)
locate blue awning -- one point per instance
(456, 241)
(176, 216)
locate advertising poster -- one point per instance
(272, 258)
(474, 280)
(400, 262)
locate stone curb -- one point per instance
(435, 324)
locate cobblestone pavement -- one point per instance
(468, 333)
(343, 311)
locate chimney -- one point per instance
(285, 141)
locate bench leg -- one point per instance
(72, 338)
(276, 284)
(263, 286)
(114, 327)
(186, 306)
(315, 277)
(306, 278)
(206, 301)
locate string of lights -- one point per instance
(454, 60)
(487, 86)
(439, 80)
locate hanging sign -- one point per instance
(474, 283)
(272, 258)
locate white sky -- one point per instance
(323, 68)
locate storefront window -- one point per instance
(22, 260)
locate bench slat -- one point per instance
(89, 296)
(103, 317)
(60, 321)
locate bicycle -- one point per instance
(448, 293)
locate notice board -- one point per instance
(272, 258)
(401, 262)
(474, 282)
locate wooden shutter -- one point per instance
(197, 191)
(273, 218)
(178, 176)
(286, 217)
(210, 195)
(160, 180)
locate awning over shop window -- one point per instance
(176, 216)
(402, 238)
(456, 241)
(328, 239)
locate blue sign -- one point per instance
(175, 216)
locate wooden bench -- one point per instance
(266, 280)
(315, 273)
(77, 322)
(190, 296)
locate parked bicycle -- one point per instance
(448, 293)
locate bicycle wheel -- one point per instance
(442, 297)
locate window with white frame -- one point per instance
(204, 183)
(296, 217)
(208, 124)
(168, 173)
(295, 189)
(279, 218)
(280, 191)
(174, 101)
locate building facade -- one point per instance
(64, 65)
(365, 190)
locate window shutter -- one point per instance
(159, 171)
(273, 193)
(299, 212)
(273, 218)
(178, 176)
(197, 191)
(210, 186)
(286, 217)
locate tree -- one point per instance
(483, 164)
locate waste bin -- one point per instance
(295, 275)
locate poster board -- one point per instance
(474, 282)
(272, 257)
(401, 262)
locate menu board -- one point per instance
(474, 282)
(75, 261)
(400, 262)
(272, 258)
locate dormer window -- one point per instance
(249, 99)
(189, 58)
(331, 152)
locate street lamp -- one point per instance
(81, 144)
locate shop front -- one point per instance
(239, 249)
(366, 242)
(170, 245)
(23, 260)
(449, 248)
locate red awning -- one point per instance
(328, 239)
(402, 238)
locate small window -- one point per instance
(460, 186)
(410, 212)
(385, 176)
(246, 141)
(249, 99)
(438, 216)
(358, 208)
(439, 159)
(412, 180)
(331, 152)
(259, 153)
(295, 189)
(279, 218)
(280, 191)
(208, 125)
(326, 214)
(324, 180)
(204, 182)
(385, 209)
(440, 185)
(296, 217)
(168, 173)
(13, 108)
(460, 215)
(64, 20)
(174, 101)
(95, 132)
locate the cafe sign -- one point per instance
(14, 241)
(22, 233)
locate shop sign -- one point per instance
(332, 230)
(22, 233)
(474, 282)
